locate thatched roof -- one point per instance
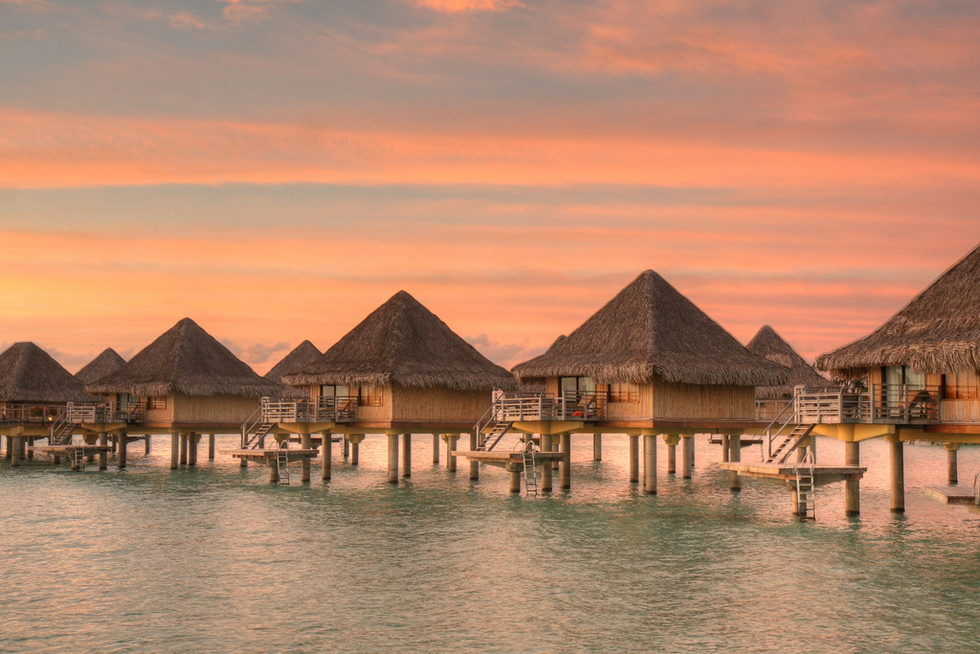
(404, 343)
(770, 345)
(185, 360)
(29, 374)
(937, 332)
(649, 329)
(100, 366)
(303, 354)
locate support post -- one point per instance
(515, 477)
(650, 464)
(726, 448)
(346, 446)
(671, 454)
(147, 445)
(355, 448)
(14, 443)
(392, 458)
(547, 443)
(103, 455)
(687, 456)
(565, 470)
(121, 454)
(306, 443)
(634, 459)
(435, 449)
(897, 476)
(735, 442)
(192, 440)
(852, 485)
(952, 474)
(273, 472)
(406, 456)
(597, 447)
(210, 446)
(474, 465)
(175, 451)
(183, 449)
(451, 440)
(326, 456)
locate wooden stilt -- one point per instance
(435, 449)
(474, 465)
(15, 448)
(952, 474)
(30, 448)
(393, 458)
(726, 448)
(634, 459)
(515, 477)
(122, 450)
(147, 445)
(406, 455)
(735, 442)
(103, 455)
(192, 442)
(650, 464)
(210, 447)
(183, 449)
(304, 466)
(671, 455)
(686, 456)
(565, 470)
(450, 459)
(852, 485)
(326, 456)
(6, 451)
(273, 472)
(897, 476)
(346, 446)
(175, 451)
(597, 447)
(355, 448)
(547, 444)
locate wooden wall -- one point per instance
(215, 408)
(626, 410)
(436, 405)
(703, 401)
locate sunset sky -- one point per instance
(276, 169)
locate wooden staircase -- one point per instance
(61, 432)
(492, 426)
(787, 443)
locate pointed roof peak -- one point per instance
(108, 361)
(769, 344)
(302, 355)
(29, 374)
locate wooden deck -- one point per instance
(504, 457)
(270, 454)
(65, 450)
(952, 494)
(787, 472)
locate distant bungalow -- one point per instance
(303, 354)
(185, 383)
(647, 363)
(916, 375)
(401, 371)
(772, 400)
(34, 391)
(108, 361)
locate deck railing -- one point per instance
(75, 412)
(323, 409)
(570, 405)
(882, 403)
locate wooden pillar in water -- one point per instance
(597, 447)
(634, 459)
(952, 474)
(735, 455)
(897, 476)
(565, 469)
(29, 445)
(392, 458)
(183, 449)
(435, 449)
(406, 456)
(121, 453)
(346, 447)
(451, 440)
(306, 443)
(547, 443)
(515, 476)
(650, 464)
(210, 446)
(14, 444)
(146, 445)
(175, 452)
(474, 465)
(852, 485)
(671, 442)
(6, 451)
(726, 447)
(687, 456)
(103, 455)
(273, 471)
(326, 456)
(192, 441)
(355, 448)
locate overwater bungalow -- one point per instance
(401, 371)
(108, 361)
(185, 383)
(915, 378)
(772, 401)
(648, 363)
(303, 354)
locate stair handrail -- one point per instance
(61, 421)
(489, 416)
(253, 421)
(768, 430)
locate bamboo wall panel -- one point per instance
(381, 413)
(641, 409)
(703, 401)
(438, 404)
(159, 415)
(213, 408)
(953, 411)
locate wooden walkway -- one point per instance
(952, 494)
(787, 471)
(270, 454)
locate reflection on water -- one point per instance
(216, 559)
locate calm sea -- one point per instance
(215, 559)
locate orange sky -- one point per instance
(277, 169)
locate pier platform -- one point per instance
(270, 454)
(787, 471)
(952, 494)
(69, 450)
(504, 458)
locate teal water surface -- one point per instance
(215, 559)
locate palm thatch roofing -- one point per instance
(937, 332)
(402, 342)
(649, 329)
(29, 374)
(303, 354)
(770, 345)
(185, 360)
(100, 366)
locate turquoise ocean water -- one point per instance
(216, 559)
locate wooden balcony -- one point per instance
(880, 404)
(324, 409)
(568, 406)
